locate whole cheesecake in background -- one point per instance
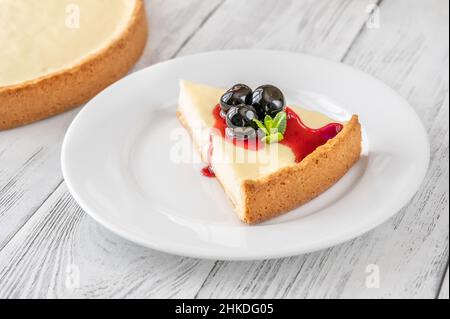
(58, 54)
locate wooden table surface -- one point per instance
(49, 248)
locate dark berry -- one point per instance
(249, 114)
(234, 118)
(238, 94)
(241, 116)
(268, 100)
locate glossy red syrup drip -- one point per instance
(301, 139)
(208, 172)
(304, 140)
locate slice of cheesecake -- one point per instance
(265, 180)
(57, 54)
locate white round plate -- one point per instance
(117, 165)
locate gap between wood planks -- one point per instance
(361, 30)
(61, 182)
(201, 25)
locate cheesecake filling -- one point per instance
(40, 37)
(197, 103)
(233, 164)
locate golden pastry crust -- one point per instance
(296, 185)
(58, 92)
(293, 186)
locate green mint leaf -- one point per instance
(280, 122)
(259, 123)
(280, 137)
(268, 122)
(273, 138)
(273, 128)
(261, 126)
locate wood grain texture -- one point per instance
(60, 243)
(321, 27)
(411, 250)
(416, 65)
(178, 12)
(29, 170)
(30, 156)
(172, 23)
(30, 173)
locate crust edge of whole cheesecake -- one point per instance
(60, 91)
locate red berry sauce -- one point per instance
(208, 172)
(304, 140)
(301, 139)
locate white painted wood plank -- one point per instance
(444, 293)
(172, 22)
(62, 253)
(29, 170)
(414, 255)
(321, 27)
(33, 263)
(411, 250)
(409, 52)
(29, 156)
